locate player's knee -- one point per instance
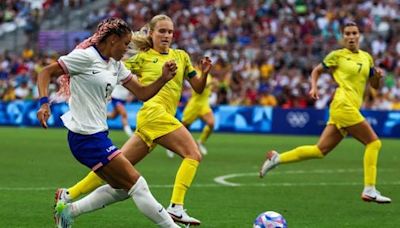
(377, 144)
(195, 155)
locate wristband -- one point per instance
(43, 100)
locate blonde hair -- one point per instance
(141, 40)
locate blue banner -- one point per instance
(247, 119)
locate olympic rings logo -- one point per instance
(297, 119)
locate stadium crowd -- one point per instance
(263, 51)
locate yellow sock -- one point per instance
(300, 153)
(370, 161)
(183, 180)
(205, 134)
(87, 184)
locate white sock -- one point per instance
(99, 198)
(369, 188)
(148, 205)
(128, 130)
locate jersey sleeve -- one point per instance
(190, 72)
(134, 64)
(371, 65)
(331, 60)
(75, 62)
(124, 75)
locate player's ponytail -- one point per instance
(141, 40)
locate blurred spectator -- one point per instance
(256, 46)
(267, 99)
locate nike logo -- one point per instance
(95, 72)
(159, 211)
(176, 216)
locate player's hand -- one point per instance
(205, 65)
(378, 72)
(314, 93)
(43, 115)
(169, 70)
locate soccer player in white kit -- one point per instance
(119, 98)
(93, 70)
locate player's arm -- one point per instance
(316, 72)
(43, 81)
(198, 83)
(376, 75)
(146, 92)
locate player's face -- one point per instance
(351, 37)
(162, 35)
(120, 46)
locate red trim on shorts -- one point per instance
(115, 153)
(110, 157)
(96, 167)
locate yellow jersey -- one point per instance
(148, 67)
(351, 72)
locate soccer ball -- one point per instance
(270, 219)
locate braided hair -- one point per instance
(105, 28)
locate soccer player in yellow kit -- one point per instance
(352, 69)
(198, 106)
(156, 122)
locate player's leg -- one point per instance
(364, 133)
(189, 115)
(124, 182)
(208, 119)
(134, 150)
(86, 185)
(181, 141)
(114, 113)
(328, 140)
(124, 118)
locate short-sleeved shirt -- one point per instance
(148, 68)
(351, 72)
(92, 79)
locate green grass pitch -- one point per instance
(226, 192)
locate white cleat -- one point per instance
(179, 215)
(373, 195)
(202, 148)
(271, 161)
(61, 195)
(62, 215)
(170, 153)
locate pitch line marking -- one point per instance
(223, 180)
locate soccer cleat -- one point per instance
(62, 216)
(373, 195)
(170, 153)
(179, 215)
(271, 161)
(61, 195)
(202, 148)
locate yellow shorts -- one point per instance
(154, 122)
(344, 116)
(192, 112)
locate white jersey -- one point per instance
(120, 93)
(92, 79)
